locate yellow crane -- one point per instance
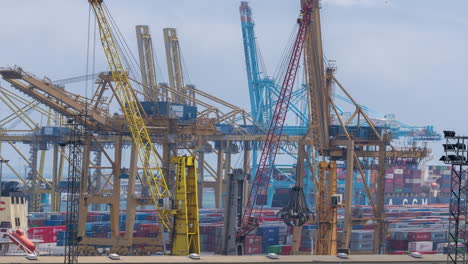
(185, 210)
(317, 136)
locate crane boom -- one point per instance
(262, 177)
(318, 94)
(130, 107)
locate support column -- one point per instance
(247, 170)
(61, 164)
(166, 164)
(131, 200)
(219, 179)
(348, 199)
(83, 204)
(115, 200)
(379, 238)
(97, 176)
(34, 194)
(200, 177)
(227, 170)
(169, 150)
(55, 196)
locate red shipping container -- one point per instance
(419, 236)
(253, 249)
(253, 245)
(398, 181)
(286, 250)
(399, 244)
(214, 215)
(305, 249)
(253, 240)
(389, 181)
(388, 186)
(150, 228)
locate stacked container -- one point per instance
(362, 240)
(398, 182)
(389, 180)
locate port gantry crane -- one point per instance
(332, 138)
(319, 96)
(317, 135)
(258, 193)
(186, 240)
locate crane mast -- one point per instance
(260, 95)
(130, 107)
(257, 196)
(318, 95)
(319, 122)
(175, 69)
(147, 65)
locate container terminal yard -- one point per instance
(122, 165)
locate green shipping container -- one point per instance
(274, 249)
(398, 189)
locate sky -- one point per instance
(405, 57)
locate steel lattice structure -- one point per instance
(456, 154)
(75, 154)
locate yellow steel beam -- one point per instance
(186, 226)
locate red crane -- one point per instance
(261, 181)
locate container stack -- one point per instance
(269, 234)
(389, 180)
(441, 175)
(46, 219)
(398, 181)
(307, 237)
(416, 228)
(422, 229)
(362, 240)
(412, 181)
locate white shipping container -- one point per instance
(445, 172)
(388, 176)
(398, 171)
(420, 246)
(440, 247)
(412, 180)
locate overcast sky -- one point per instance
(407, 57)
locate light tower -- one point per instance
(456, 154)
